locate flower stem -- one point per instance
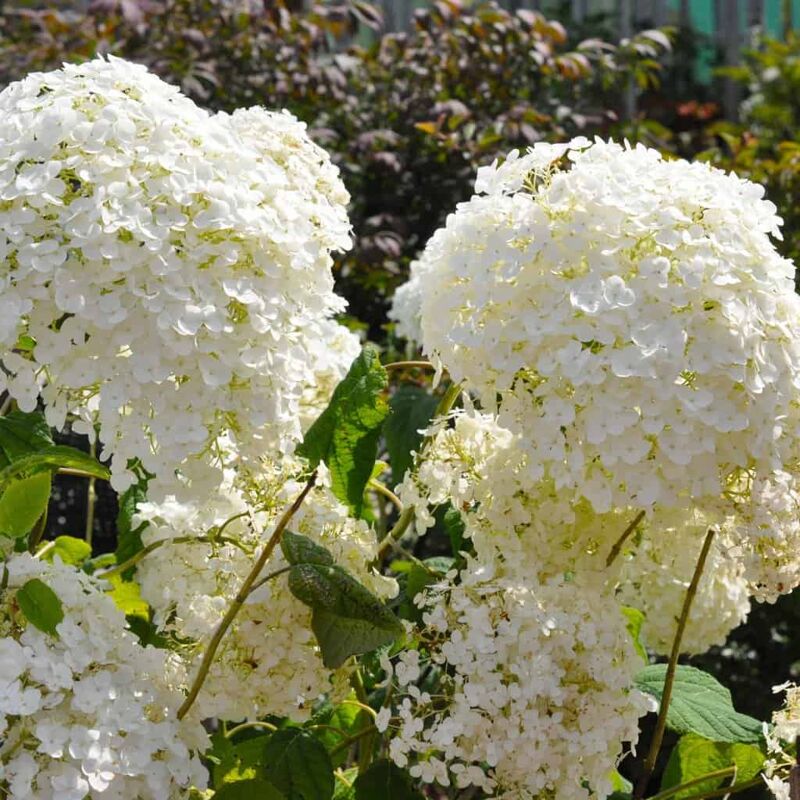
(91, 499)
(145, 551)
(241, 597)
(672, 665)
(617, 548)
(407, 516)
(35, 536)
(246, 726)
(381, 489)
(409, 365)
(720, 773)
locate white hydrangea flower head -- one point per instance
(165, 269)
(331, 356)
(89, 713)
(537, 685)
(406, 308)
(270, 648)
(784, 731)
(630, 313)
(657, 573)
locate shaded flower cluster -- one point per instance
(89, 712)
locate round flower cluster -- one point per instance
(784, 731)
(482, 469)
(270, 647)
(657, 572)
(331, 356)
(89, 712)
(167, 272)
(537, 685)
(630, 313)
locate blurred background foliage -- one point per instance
(409, 115)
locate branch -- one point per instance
(617, 548)
(669, 679)
(241, 596)
(720, 773)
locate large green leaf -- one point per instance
(70, 550)
(22, 503)
(50, 459)
(299, 549)
(412, 409)
(297, 764)
(345, 436)
(129, 539)
(386, 781)
(253, 789)
(700, 704)
(21, 434)
(347, 618)
(692, 757)
(40, 605)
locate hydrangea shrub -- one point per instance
(612, 459)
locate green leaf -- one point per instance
(22, 433)
(22, 503)
(348, 720)
(50, 459)
(345, 436)
(40, 605)
(70, 550)
(129, 539)
(127, 597)
(412, 409)
(700, 704)
(387, 781)
(343, 791)
(692, 757)
(347, 618)
(297, 764)
(634, 621)
(455, 527)
(248, 790)
(236, 762)
(427, 572)
(299, 549)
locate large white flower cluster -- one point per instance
(270, 648)
(656, 574)
(537, 689)
(482, 468)
(89, 713)
(780, 736)
(166, 272)
(630, 313)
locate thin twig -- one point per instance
(269, 577)
(380, 488)
(241, 597)
(91, 499)
(726, 790)
(672, 665)
(248, 726)
(145, 551)
(5, 405)
(352, 740)
(720, 773)
(35, 536)
(409, 365)
(617, 548)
